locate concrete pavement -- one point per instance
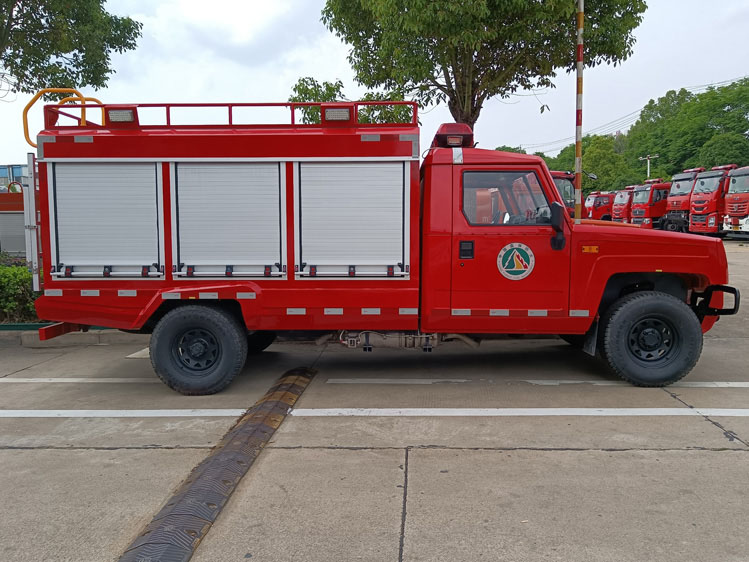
(595, 488)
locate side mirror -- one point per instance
(557, 216)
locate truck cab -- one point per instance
(649, 203)
(215, 238)
(737, 201)
(708, 201)
(621, 211)
(677, 217)
(565, 182)
(598, 205)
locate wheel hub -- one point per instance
(651, 339)
(197, 349)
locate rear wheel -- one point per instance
(651, 338)
(198, 350)
(259, 341)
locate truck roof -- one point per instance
(482, 156)
(223, 132)
(739, 172)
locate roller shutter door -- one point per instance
(229, 216)
(106, 215)
(352, 215)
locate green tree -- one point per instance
(466, 52)
(61, 43)
(309, 90)
(505, 148)
(725, 148)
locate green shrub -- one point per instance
(16, 296)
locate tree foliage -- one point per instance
(466, 52)
(61, 43)
(685, 129)
(308, 89)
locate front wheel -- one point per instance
(652, 338)
(198, 350)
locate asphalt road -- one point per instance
(389, 456)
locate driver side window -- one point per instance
(504, 198)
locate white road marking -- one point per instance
(537, 382)
(142, 354)
(39, 380)
(395, 381)
(516, 412)
(680, 384)
(194, 413)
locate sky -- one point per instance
(255, 51)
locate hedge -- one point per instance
(16, 296)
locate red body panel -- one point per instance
(11, 202)
(560, 294)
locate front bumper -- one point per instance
(741, 225)
(701, 302)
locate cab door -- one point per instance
(506, 277)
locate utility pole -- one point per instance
(579, 114)
(649, 157)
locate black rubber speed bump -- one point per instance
(176, 531)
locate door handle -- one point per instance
(466, 250)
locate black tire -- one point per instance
(606, 218)
(651, 338)
(198, 350)
(259, 341)
(575, 340)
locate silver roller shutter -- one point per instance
(12, 233)
(229, 214)
(106, 215)
(352, 214)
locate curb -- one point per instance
(30, 339)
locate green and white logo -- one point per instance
(516, 261)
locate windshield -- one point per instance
(682, 187)
(707, 185)
(622, 197)
(739, 184)
(589, 200)
(641, 195)
(566, 189)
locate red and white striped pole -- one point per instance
(579, 114)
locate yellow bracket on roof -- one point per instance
(79, 97)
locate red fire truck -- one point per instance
(621, 210)
(677, 218)
(737, 201)
(649, 203)
(708, 200)
(598, 205)
(565, 182)
(213, 237)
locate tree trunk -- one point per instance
(461, 115)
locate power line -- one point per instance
(624, 121)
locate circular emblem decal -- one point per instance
(516, 261)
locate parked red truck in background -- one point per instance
(598, 205)
(737, 201)
(649, 203)
(213, 238)
(565, 182)
(707, 204)
(621, 210)
(677, 217)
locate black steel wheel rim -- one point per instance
(652, 340)
(196, 350)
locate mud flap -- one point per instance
(591, 339)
